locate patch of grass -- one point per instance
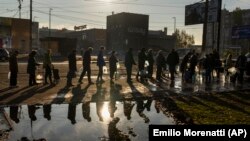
(222, 108)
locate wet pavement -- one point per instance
(97, 112)
(92, 121)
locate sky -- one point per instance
(93, 13)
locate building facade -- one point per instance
(15, 34)
(127, 30)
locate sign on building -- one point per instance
(241, 32)
(195, 13)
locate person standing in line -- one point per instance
(129, 62)
(31, 68)
(86, 65)
(150, 58)
(228, 64)
(141, 62)
(100, 64)
(72, 67)
(112, 65)
(13, 66)
(47, 65)
(172, 61)
(241, 66)
(161, 64)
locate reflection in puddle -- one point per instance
(126, 120)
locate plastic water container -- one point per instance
(105, 70)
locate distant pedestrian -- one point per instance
(217, 63)
(228, 64)
(72, 68)
(13, 66)
(47, 65)
(31, 68)
(207, 65)
(183, 65)
(112, 65)
(141, 62)
(172, 61)
(86, 65)
(241, 66)
(161, 65)
(193, 63)
(100, 64)
(150, 58)
(129, 62)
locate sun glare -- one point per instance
(105, 111)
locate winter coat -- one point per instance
(72, 62)
(100, 59)
(13, 63)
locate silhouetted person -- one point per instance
(72, 113)
(207, 65)
(47, 111)
(14, 113)
(217, 63)
(241, 66)
(127, 109)
(32, 111)
(228, 64)
(193, 62)
(72, 67)
(31, 68)
(13, 66)
(47, 65)
(86, 111)
(86, 65)
(100, 64)
(150, 58)
(112, 65)
(141, 64)
(172, 61)
(183, 66)
(161, 64)
(129, 62)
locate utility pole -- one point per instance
(204, 37)
(20, 7)
(219, 25)
(30, 25)
(49, 26)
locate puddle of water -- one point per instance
(90, 122)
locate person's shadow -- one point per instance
(79, 93)
(127, 108)
(47, 111)
(114, 96)
(72, 113)
(99, 98)
(14, 113)
(86, 111)
(32, 112)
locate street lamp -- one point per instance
(174, 23)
